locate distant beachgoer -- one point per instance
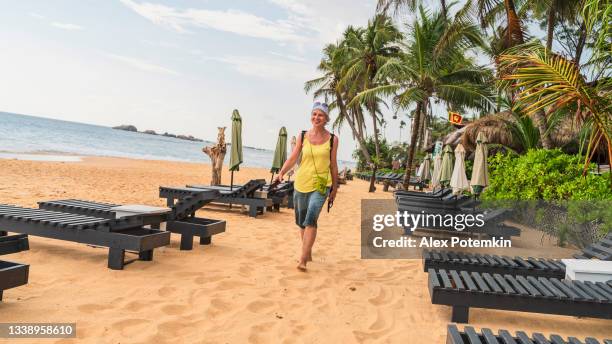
(316, 179)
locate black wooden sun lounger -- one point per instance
(439, 194)
(462, 290)
(600, 250)
(12, 275)
(243, 194)
(493, 264)
(451, 260)
(486, 336)
(119, 235)
(180, 219)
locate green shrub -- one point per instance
(544, 175)
(547, 190)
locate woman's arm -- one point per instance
(334, 169)
(292, 159)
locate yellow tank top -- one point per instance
(305, 178)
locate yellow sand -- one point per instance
(243, 288)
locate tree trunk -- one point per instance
(356, 134)
(217, 154)
(375, 126)
(580, 44)
(412, 147)
(377, 148)
(550, 23)
(540, 122)
(443, 8)
(515, 32)
(360, 139)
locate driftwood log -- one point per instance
(217, 154)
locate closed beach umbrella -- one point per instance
(435, 180)
(480, 172)
(459, 181)
(420, 170)
(426, 168)
(236, 152)
(447, 165)
(280, 153)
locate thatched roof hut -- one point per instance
(495, 128)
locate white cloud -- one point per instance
(266, 68)
(37, 16)
(67, 26)
(142, 65)
(288, 56)
(234, 21)
(308, 22)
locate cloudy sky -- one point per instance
(179, 66)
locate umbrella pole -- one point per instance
(272, 178)
(231, 184)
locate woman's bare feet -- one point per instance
(302, 266)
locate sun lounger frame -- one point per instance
(462, 290)
(486, 336)
(86, 230)
(493, 264)
(98, 209)
(12, 275)
(537, 267)
(256, 205)
(186, 226)
(13, 243)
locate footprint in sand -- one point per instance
(135, 306)
(258, 332)
(218, 307)
(259, 306)
(93, 308)
(174, 309)
(381, 298)
(207, 279)
(166, 291)
(129, 326)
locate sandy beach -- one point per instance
(242, 288)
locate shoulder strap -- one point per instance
(302, 140)
(331, 146)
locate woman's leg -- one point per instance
(310, 234)
(315, 203)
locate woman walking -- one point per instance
(316, 179)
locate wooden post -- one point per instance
(217, 154)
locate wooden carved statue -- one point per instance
(217, 154)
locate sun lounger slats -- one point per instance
(187, 226)
(601, 250)
(532, 295)
(470, 336)
(182, 194)
(491, 263)
(118, 235)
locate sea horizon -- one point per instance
(55, 138)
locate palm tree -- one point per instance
(546, 80)
(364, 51)
(433, 65)
(397, 6)
(328, 87)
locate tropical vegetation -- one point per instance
(534, 96)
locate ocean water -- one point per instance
(22, 135)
